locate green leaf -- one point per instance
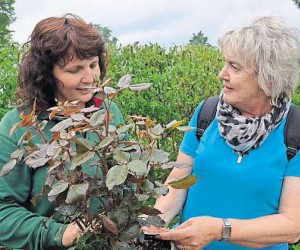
(174, 124)
(97, 118)
(159, 156)
(62, 125)
(175, 164)
(123, 129)
(121, 157)
(142, 197)
(124, 81)
(116, 176)
(66, 209)
(140, 86)
(105, 142)
(109, 90)
(184, 182)
(58, 188)
(138, 167)
(37, 159)
(82, 144)
(185, 128)
(78, 117)
(80, 159)
(76, 193)
(8, 167)
(129, 234)
(159, 191)
(17, 154)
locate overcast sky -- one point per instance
(166, 22)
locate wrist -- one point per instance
(226, 230)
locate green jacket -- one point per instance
(22, 225)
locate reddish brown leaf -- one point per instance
(110, 225)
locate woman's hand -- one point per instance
(194, 233)
(71, 234)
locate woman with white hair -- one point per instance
(248, 192)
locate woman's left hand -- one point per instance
(194, 233)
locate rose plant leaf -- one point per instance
(130, 233)
(138, 167)
(174, 124)
(121, 157)
(97, 118)
(8, 167)
(80, 159)
(110, 225)
(62, 125)
(124, 81)
(58, 188)
(123, 129)
(183, 183)
(159, 156)
(116, 175)
(150, 211)
(37, 159)
(185, 128)
(142, 197)
(76, 193)
(82, 144)
(17, 154)
(104, 143)
(140, 86)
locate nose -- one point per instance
(88, 76)
(223, 74)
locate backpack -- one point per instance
(208, 111)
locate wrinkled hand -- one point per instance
(194, 233)
(71, 234)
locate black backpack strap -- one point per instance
(206, 114)
(292, 132)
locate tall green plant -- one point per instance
(9, 54)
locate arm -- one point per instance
(258, 232)
(171, 203)
(23, 225)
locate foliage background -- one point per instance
(182, 76)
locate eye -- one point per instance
(94, 65)
(73, 70)
(235, 66)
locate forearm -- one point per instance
(171, 203)
(22, 229)
(267, 230)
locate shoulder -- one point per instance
(10, 118)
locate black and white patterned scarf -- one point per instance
(243, 133)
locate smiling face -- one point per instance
(74, 78)
(240, 89)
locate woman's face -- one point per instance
(73, 78)
(240, 89)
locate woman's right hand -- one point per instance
(71, 234)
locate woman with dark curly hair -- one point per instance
(65, 55)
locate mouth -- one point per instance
(86, 88)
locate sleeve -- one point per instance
(19, 227)
(116, 117)
(293, 167)
(190, 142)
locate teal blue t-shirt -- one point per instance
(228, 189)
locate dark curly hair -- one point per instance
(55, 40)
